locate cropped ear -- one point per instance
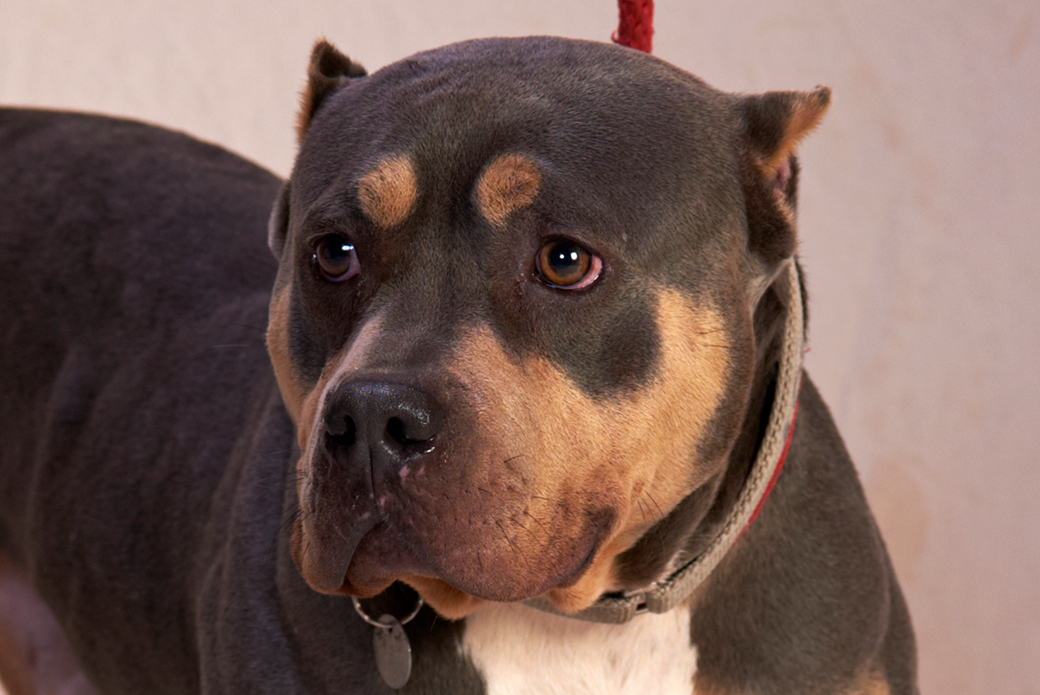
(278, 223)
(773, 125)
(328, 71)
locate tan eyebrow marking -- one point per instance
(388, 192)
(509, 183)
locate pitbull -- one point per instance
(522, 418)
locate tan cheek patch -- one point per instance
(661, 428)
(509, 183)
(633, 454)
(293, 391)
(388, 192)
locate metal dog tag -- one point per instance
(393, 652)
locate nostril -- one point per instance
(341, 433)
(395, 430)
(409, 440)
(380, 423)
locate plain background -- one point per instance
(919, 228)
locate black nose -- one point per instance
(379, 424)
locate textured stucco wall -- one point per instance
(920, 229)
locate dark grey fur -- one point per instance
(147, 462)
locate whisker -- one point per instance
(511, 541)
(545, 530)
(659, 510)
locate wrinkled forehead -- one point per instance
(614, 132)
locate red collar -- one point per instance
(776, 473)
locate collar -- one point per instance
(665, 595)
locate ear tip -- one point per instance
(822, 95)
(319, 50)
(328, 70)
(323, 45)
(328, 61)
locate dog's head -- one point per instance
(513, 317)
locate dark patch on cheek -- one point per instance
(307, 354)
(616, 353)
(629, 349)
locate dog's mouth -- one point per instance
(424, 547)
(381, 558)
(384, 556)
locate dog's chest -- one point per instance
(521, 651)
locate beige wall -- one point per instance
(920, 228)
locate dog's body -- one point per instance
(525, 329)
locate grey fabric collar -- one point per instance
(665, 595)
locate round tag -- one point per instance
(393, 652)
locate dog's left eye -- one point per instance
(566, 265)
(336, 258)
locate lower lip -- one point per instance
(383, 556)
(379, 559)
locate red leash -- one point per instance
(635, 24)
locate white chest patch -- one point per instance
(522, 651)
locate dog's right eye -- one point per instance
(336, 258)
(565, 265)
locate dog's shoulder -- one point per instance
(819, 567)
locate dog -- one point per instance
(527, 415)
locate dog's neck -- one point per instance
(769, 317)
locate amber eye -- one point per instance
(336, 258)
(566, 265)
